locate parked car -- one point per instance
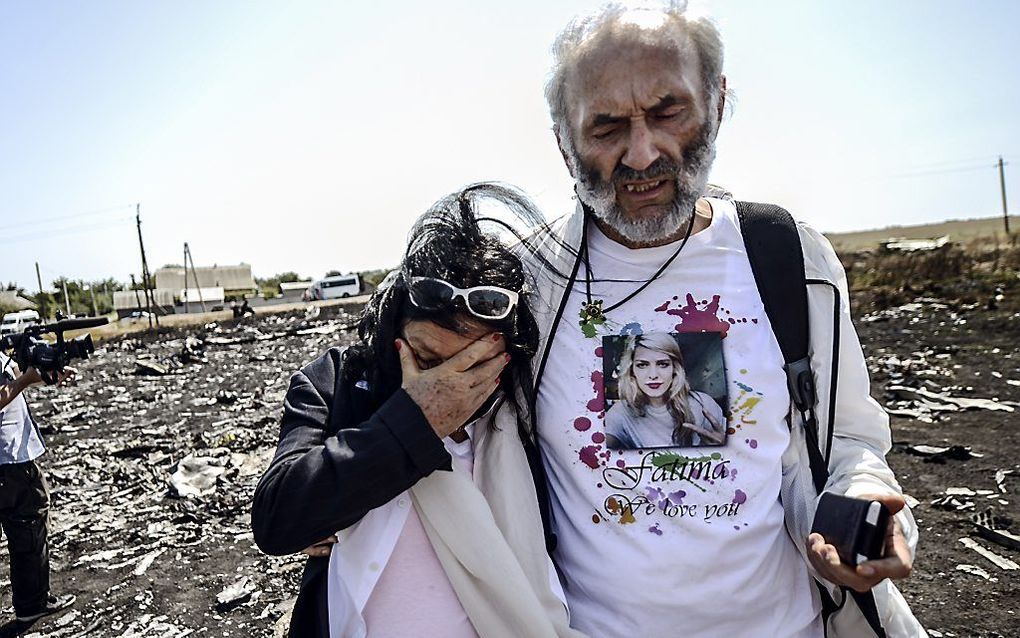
(336, 287)
(15, 322)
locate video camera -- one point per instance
(28, 350)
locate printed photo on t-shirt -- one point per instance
(664, 389)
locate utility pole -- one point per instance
(145, 265)
(95, 309)
(67, 300)
(194, 273)
(38, 277)
(134, 286)
(185, 262)
(1002, 189)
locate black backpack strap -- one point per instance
(774, 251)
(777, 261)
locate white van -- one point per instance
(15, 322)
(335, 287)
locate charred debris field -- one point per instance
(153, 457)
(155, 451)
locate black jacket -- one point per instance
(340, 456)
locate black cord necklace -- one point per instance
(592, 313)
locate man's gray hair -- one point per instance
(665, 24)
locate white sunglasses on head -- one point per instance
(484, 302)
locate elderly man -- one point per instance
(682, 540)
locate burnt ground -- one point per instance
(964, 351)
(145, 560)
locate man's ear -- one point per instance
(563, 153)
(721, 108)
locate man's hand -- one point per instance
(896, 563)
(66, 376)
(32, 377)
(451, 392)
(320, 549)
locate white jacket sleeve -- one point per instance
(861, 437)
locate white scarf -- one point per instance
(488, 537)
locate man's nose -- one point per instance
(641, 148)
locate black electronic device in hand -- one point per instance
(854, 526)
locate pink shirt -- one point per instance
(413, 596)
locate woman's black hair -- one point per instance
(447, 243)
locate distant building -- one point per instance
(201, 299)
(294, 289)
(11, 301)
(127, 301)
(236, 281)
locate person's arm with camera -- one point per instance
(318, 483)
(30, 377)
(857, 466)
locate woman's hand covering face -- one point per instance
(450, 392)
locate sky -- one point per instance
(307, 136)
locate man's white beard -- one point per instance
(691, 179)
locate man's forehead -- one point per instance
(630, 76)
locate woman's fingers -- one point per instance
(485, 348)
(448, 394)
(408, 364)
(320, 549)
(485, 374)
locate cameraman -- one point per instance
(24, 496)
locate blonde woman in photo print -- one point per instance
(657, 406)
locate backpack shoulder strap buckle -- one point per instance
(801, 384)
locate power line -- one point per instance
(28, 220)
(73, 230)
(952, 163)
(944, 171)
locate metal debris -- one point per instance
(952, 504)
(940, 453)
(234, 595)
(197, 475)
(1000, 479)
(976, 571)
(935, 400)
(150, 367)
(999, 561)
(992, 528)
(960, 491)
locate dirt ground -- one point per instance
(144, 560)
(963, 350)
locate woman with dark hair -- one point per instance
(396, 453)
(658, 407)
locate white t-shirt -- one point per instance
(20, 440)
(674, 541)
